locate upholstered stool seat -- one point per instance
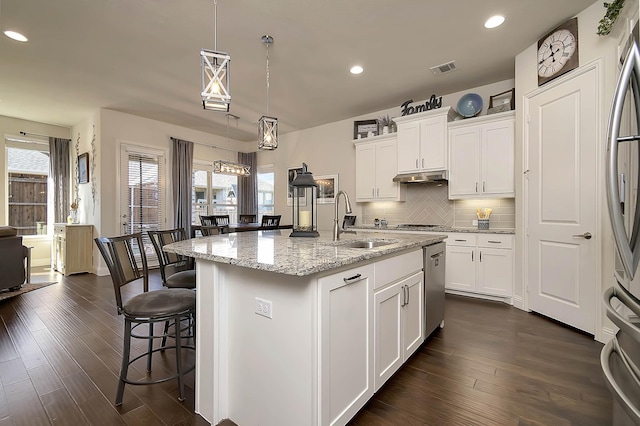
(160, 303)
(182, 279)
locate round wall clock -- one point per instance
(558, 51)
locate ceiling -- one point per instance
(141, 57)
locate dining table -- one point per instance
(240, 227)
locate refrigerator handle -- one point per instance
(606, 353)
(622, 184)
(620, 293)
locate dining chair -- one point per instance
(214, 230)
(184, 275)
(248, 218)
(270, 221)
(207, 220)
(221, 219)
(349, 220)
(125, 257)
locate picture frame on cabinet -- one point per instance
(291, 175)
(83, 168)
(362, 128)
(504, 101)
(327, 188)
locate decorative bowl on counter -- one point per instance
(469, 105)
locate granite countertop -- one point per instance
(275, 251)
(474, 230)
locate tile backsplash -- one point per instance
(429, 204)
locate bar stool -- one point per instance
(185, 275)
(126, 260)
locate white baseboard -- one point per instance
(506, 300)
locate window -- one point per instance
(27, 174)
(265, 191)
(142, 194)
(213, 194)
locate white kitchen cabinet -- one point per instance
(422, 140)
(375, 169)
(72, 248)
(481, 157)
(398, 325)
(346, 324)
(480, 263)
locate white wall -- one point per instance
(591, 47)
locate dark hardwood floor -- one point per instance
(492, 364)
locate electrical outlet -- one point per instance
(474, 222)
(264, 307)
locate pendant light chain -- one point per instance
(268, 78)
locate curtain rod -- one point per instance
(41, 135)
(207, 145)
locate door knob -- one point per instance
(586, 235)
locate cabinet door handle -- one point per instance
(494, 242)
(483, 187)
(378, 192)
(472, 256)
(354, 279)
(408, 294)
(373, 192)
(423, 163)
(480, 256)
(416, 163)
(459, 240)
(476, 186)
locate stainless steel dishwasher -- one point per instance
(434, 266)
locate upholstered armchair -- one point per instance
(12, 259)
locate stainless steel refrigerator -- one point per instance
(620, 358)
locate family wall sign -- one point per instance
(432, 103)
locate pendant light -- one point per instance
(267, 126)
(215, 73)
(225, 167)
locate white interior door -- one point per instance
(561, 140)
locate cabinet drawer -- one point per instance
(495, 240)
(394, 268)
(461, 239)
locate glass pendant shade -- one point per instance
(215, 80)
(267, 133)
(305, 204)
(231, 168)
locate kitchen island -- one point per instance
(287, 327)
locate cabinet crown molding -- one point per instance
(482, 119)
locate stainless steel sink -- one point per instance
(365, 244)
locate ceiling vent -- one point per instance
(442, 68)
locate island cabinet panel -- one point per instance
(346, 323)
(72, 248)
(398, 325)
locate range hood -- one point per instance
(422, 177)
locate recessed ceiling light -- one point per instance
(15, 36)
(356, 69)
(494, 21)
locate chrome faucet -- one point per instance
(336, 228)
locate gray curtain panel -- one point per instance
(181, 174)
(248, 186)
(60, 172)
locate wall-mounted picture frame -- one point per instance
(362, 128)
(291, 175)
(83, 168)
(328, 186)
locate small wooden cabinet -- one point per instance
(375, 169)
(480, 263)
(481, 157)
(422, 140)
(72, 250)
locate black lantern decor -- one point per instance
(305, 207)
